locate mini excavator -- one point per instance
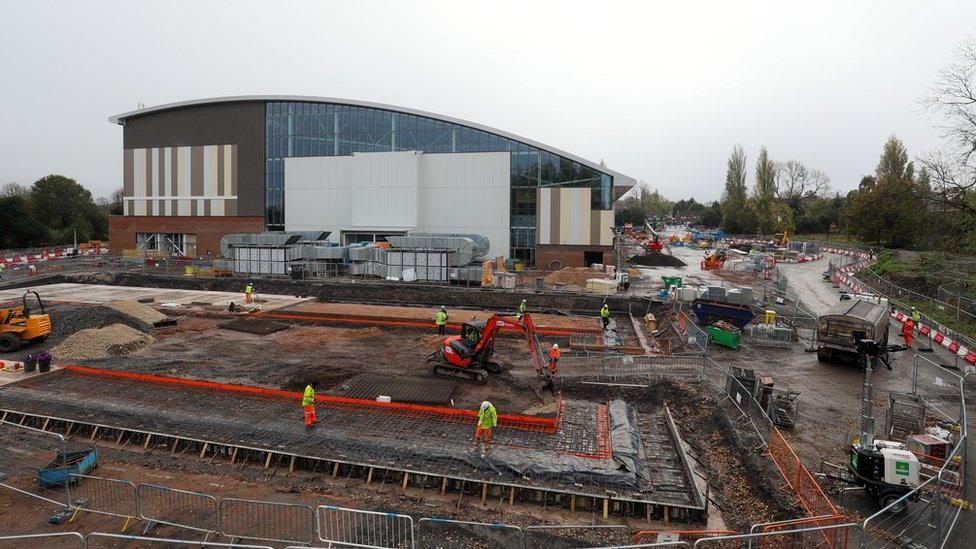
(468, 355)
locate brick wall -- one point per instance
(122, 229)
(569, 255)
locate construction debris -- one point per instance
(656, 259)
(94, 343)
(576, 276)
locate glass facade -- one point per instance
(326, 129)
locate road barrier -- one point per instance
(267, 520)
(65, 539)
(107, 496)
(357, 528)
(119, 540)
(178, 508)
(430, 532)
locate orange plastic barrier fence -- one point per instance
(798, 478)
(835, 538)
(526, 423)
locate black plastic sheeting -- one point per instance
(627, 467)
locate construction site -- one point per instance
(171, 406)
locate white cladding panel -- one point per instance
(384, 189)
(450, 193)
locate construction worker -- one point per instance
(522, 309)
(308, 404)
(248, 293)
(473, 334)
(441, 320)
(1, 271)
(487, 419)
(553, 359)
(916, 316)
(605, 315)
(907, 331)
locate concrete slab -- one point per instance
(99, 294)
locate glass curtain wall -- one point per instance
(295, 129)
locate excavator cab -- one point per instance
(20, 324)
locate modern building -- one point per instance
(197, 170)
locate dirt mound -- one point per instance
(359, 333)
(114, 340)
(138, 311)
(656, 259)
(577, 276)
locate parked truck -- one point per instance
(835, 328)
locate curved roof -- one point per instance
(619, 179)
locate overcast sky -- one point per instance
(660, 90)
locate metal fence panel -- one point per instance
(103, 495)
(763, 335)
(593, 535)
(97, 540)
(941, 389)
(357, 528)
(178, 508)
(267, 520)
(436, 533)
(64, 539)
(835, 536)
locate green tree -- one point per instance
(711, 217)
(64, 206)
(890, 210)
(733, 205)
(19, 228)
(765, 192)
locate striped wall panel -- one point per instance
(196, 180)
(564, 217)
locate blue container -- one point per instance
(709, 312)
(65, 463)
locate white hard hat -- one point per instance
(485, 405)
(555, 345)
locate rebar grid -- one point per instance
(416, 443)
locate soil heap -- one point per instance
(138, 311)
(656, 259)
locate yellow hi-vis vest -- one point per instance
(487, 418)
(308, 399)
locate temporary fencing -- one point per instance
(107, 496)
(267, 520)
(801, 483)
(543, 537)
(178, 508)
(357, 528)
(670, 536)
(63, 539)
(764, 335)
(807, 537)
(437, 532)
(98, 540)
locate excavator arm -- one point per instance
(526, 326)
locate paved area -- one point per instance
(98, 294)
(806, 281)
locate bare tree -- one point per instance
(14, 189)
(794, 182)
(953, 169)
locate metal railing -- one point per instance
(267, 520)
(180, 508)
(107, 496)
(358, 528)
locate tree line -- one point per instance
(49, 212)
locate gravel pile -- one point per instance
(114, 340)
(68, 320)
(138, 311)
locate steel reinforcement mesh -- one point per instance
(403, 440)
